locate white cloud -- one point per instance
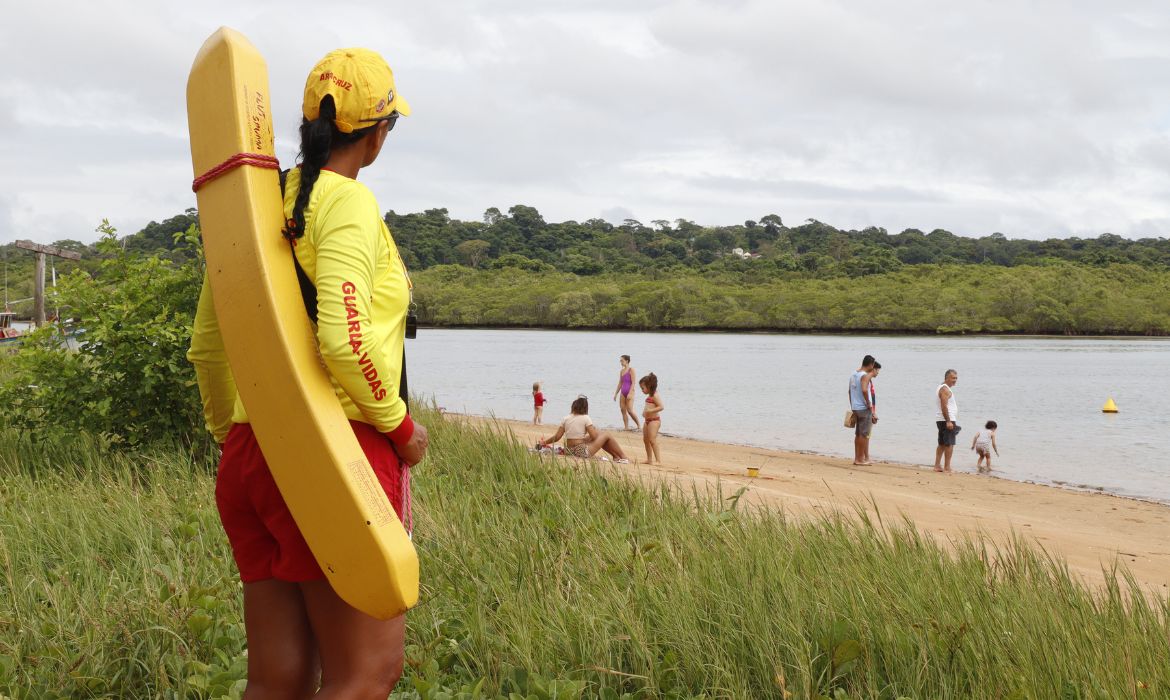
(1049, 118)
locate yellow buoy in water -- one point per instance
(1109, 407)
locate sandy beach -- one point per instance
(1088, 530)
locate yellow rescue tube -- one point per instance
(316, 461)
(1109, 407)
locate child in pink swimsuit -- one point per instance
(653, 419)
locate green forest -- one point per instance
(516, 269)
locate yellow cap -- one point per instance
(362, 86)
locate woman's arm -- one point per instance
(346, 250)
(217, 386)
(554, 438)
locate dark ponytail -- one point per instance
(649, 383)
(318, 139)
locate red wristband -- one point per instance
(401, 434)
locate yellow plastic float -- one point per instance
(321, 470)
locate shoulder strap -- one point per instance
(309, 297)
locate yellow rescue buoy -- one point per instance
(1109, 407)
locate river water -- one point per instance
(789, 392)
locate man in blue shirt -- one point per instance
(863, 410)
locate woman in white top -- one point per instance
(581, 438)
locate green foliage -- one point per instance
(128, 378)
(166, 238)
(19, 268)
(1060, 298)
(860, 280)
(816, 249)
(116, 581)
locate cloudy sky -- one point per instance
(1036, 119)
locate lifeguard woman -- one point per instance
(301, 635)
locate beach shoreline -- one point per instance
(1091, 530)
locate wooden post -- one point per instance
(39, 280)
(39, 292)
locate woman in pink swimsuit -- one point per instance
(625, 389)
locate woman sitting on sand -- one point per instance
(581, 438)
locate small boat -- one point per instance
(8, 333)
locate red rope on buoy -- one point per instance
(257, 159)
(406, 500)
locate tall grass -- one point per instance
(115, 579)
(548, 579)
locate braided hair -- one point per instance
(318, 139)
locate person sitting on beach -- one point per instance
(581, 438)
(651, 415)
(983, 444)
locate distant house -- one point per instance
(741, 253)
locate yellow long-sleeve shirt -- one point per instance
(363, 295)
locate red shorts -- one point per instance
(265, 540)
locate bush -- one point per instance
(126, 377)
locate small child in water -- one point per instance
(983, 444)
(652, 420)
(538, 402)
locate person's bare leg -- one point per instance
(607, 442)
(613, 448)
(646, 440)
(652, 429)
(630, 408)
(988, 458)
(858, 449)
(938, 453)
(282, 651)
(948, 451)
(361, 657)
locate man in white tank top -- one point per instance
(946, 412)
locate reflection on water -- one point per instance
(789, 392)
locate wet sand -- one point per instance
(1088, 530)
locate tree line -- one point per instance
(522, 238)
(1057, 298)
(516, 269)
